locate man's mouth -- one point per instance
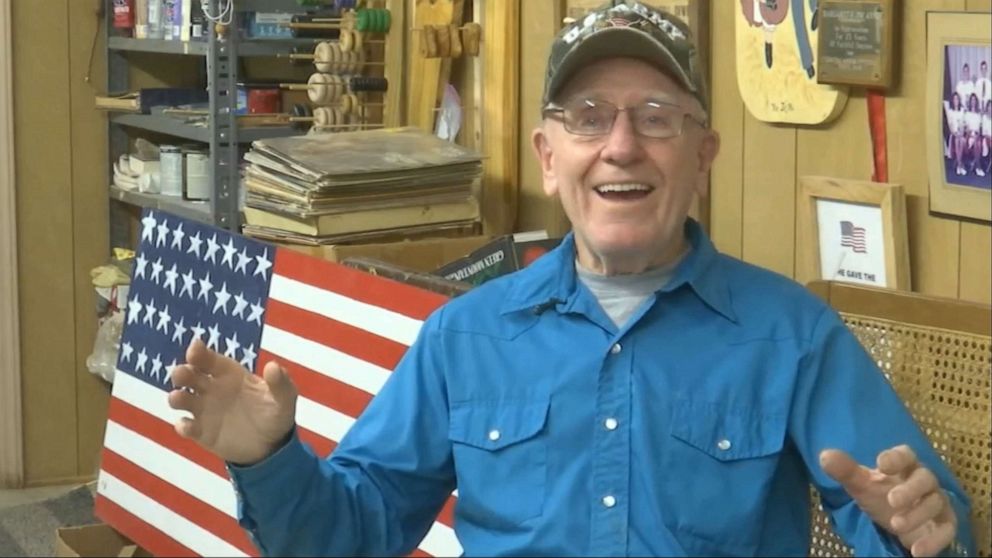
(626, 191)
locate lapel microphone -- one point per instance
(547, 305)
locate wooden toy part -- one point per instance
(471, 38)
(455, 36)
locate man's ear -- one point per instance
(709, 148)
(542, 150)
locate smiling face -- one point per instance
(626, 195)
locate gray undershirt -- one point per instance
(621, 295)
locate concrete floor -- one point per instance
(18, 496)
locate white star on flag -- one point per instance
(163, 233)
(188, 283)
(163, 320)
(229, 252)
(177, 237)
(212, 248)
(180, 331)
(263, 264)
(148, 228)
(156, 270)
(198, 331)
(194, 245)
(133, 310)
(232, 346)
(150, 312)
(239, 306)
(170, 369)
(156, 367)
(214, 341)
(248, 357)
(142, 360)
(243, 260)
(140, 263)
(205, 286)
(256, 313)
(170, 280)
(126, 350)
(222, 297)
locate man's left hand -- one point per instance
(900, 495)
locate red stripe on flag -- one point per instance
(164, 434)
(152, 540)
(418, 553)
(348, 339)
(180, 502)
(329, 392)
(358, 285)
(447, 515)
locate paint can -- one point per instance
(171, 170)
(197, 175)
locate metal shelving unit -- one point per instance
(221, 131)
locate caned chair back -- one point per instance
(937, 354)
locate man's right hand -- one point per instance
(237, 415)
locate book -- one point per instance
(504, 254)
(143, 100)
(364, 220)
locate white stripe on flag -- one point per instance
(377, 320)
(171, 467)
(327, 361)
(441, 541)
(146, 397)
(185, 532)
(321, 420)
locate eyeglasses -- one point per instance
(590, 117)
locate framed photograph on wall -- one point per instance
(852, 231)
(959, 114)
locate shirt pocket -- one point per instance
(500, 459)
(725, 458)
(728, 433)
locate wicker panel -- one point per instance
(943, 377)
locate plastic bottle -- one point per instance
(155, 23)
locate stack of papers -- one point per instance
(332, 188)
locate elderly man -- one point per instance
(631, 393)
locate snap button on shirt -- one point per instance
(615, 349)
(723, 444)
(610, 423)
(609, 501)
(494, 435)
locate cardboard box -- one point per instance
(421, 255)
(94, 540)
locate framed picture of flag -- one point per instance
(959, 114)
(852, 231)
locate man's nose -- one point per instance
(622, 143)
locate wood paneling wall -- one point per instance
(62, 232)
(755, 180)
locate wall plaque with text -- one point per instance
(855, 46)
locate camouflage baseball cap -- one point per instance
(626, 28)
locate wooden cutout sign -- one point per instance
(776, 63)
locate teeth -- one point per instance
(623, 188)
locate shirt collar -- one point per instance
(551, 281)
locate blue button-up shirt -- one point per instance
(694, 429)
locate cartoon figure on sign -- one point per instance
(776, 63)
(768, 14)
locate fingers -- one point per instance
(925, 510)
(184, 376)
(280, 385)
(900, 460)
(920, 483)
(199, 356)
(845, 470)
(188, 428)
(935, 538)
(186, 401)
